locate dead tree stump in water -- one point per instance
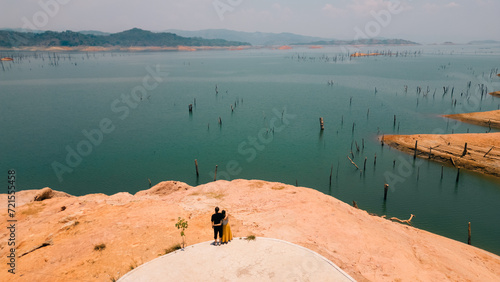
(488, 151)
(321, 123)
(386, 188)
(215, 175)
(331, 172)
(416, 146)
(465, 150)
(469, 237)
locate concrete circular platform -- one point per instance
(262, 259)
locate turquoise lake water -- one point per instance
(73, 124)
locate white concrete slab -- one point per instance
(262, 259)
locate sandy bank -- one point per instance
(482, 155)
(137, 228)
(487, 119)
(359, 54)
(496, 93)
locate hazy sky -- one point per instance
(424, 21)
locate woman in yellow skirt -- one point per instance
(227, 235)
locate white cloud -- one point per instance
(452, 5)
(364, 7)
(333, 11)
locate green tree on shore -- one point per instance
(182, 224)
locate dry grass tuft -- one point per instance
(280, 187)
(32, 209)
(250, 238)
(216, 195)
(172, 249)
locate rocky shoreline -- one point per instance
(479, 152)
(100, 238)
(490, 119)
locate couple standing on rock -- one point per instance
(220, 224)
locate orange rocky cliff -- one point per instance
(99, 238)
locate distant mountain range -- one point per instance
(370, 41)
(18, 37)
(478, 42)
(88, 32)
(254, 38)
(128, 38)
(270, 39)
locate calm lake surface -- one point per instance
(107, 122)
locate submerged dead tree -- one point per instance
(353, 163)
(407, 221)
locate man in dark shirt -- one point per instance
(217, 225)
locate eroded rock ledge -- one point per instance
(99, 238)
